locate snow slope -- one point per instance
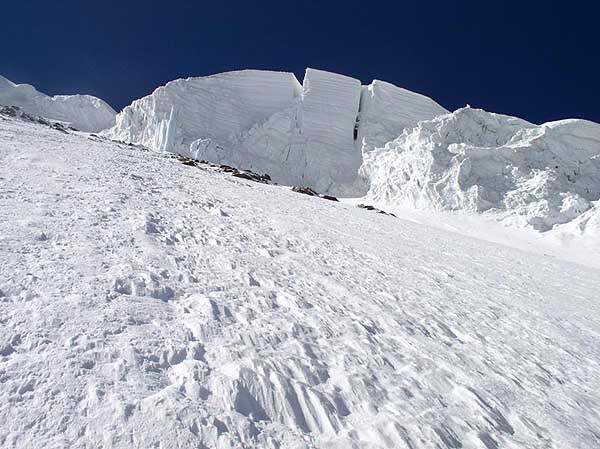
(581, 234)
(472, 160)
(84, 112)
(145, 303)
(310, 134)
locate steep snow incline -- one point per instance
(582, 233)
(386, 110)
(84, 112)
(144, 303)
(267, 122)
(472, 160)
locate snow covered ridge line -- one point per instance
(471, 160)
(312, 134)
(84, 112)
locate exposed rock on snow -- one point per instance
(236, 173)
(18, 113)
(304, 190)
(84, 112)
(373, 208)
(310, 134)
(310, 192)
(472, 160)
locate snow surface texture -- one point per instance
(472, 160)
(310, 134)
(83, 112)
(144, 303)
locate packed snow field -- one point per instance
(146, 303)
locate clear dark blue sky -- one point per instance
(539, 60)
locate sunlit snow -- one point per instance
(146, 303)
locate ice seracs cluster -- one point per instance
(400, 148)
(472, 160)
(84, 112)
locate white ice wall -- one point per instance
(268, 122)
(329, 112)
(217, 107)
(308, 143)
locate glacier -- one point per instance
(84, 112)
(311, 134)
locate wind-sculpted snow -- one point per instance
(146, 303)
(584, 230)
(586, 224)
(266, 121)
(471, 160)
(84, 112)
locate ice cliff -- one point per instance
(311, 134)
(334, 135)
(84, 112)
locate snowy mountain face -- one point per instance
(398, 147)
(147, 303)
(312, 134)
(83, 112)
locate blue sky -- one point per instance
(537, 60)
